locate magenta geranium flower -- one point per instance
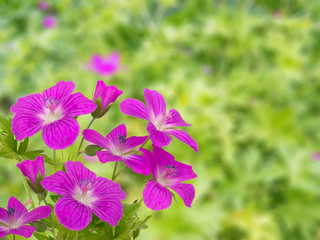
(83, 193)
(43, 5)
(15, 219)
(107, 95)
(104, 66)
(53, 111)
(162, 123)
(119, 148)
(167, 173)
(49, 22)
(33, 170)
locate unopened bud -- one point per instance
(91, 150)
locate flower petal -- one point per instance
(185, 191)
(108, 211)
(25, 231)
(156, 197)
(20, 210)
(3, 216)
(25, 125)
(175, 120)
(158, 138)
(108, 94)
(3, 231)
(77, 104)
(114, 137)
(133, 142)
(78, 172)
(29, 170)
(38, 213)
(72, 214)
(61, 91)
(134, 108)
(32, 105)
(39, 162)
(155, 102)
(106, 156)
(184, 137)
(61, 134)
(137, 163)
(105, 189)
(59, 183)
(95, 138)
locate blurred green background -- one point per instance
(246, 74)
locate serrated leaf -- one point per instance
(5, 124)
(39, 225)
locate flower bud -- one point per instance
(91, 150)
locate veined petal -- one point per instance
(20, 211)
(116, 136)
(108, 94)
(133, 142)
(158, 138)
(61, 91)
(61, 133)
(32, 105)
(3, 231)
(25, 231)
(106, 156)
(78, 172)
(156, 197)
(3, 215)
(107, 190)
(72, 214)
(155, 102)
(184, 137)
(59, 183)
(26, 125)
(77, 104)
(28, 170)
(134, 108)
(38, 213)
(95, 138)
(185, 191)
(137, 163)
(39, 163)
(174, 119)
(108, 211)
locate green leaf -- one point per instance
(39, 225)
(5, 124)
(54, 197)
(23, 145)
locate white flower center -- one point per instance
(159, 121)
(52, 111)
(165, 176)
(83, 193)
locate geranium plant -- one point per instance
(75, 203)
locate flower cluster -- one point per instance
(80, 192)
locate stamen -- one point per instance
(12, 211)
(173, 170)
(122, 139)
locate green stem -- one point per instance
(54, 159)
(82, 139)
(114, 171)
(26, 187)
(145, 142)
(121, 169)
(14, 236)
(52, 226)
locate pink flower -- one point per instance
(162, 123)
(119, 148)
(49, 22)
(104, 66)
(167, 173)
(34, 171)
(43, 5)
(104, 96)
(14, 220)
(53, 111)
(83, 193)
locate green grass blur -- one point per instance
(246, 74)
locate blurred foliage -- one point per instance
(244, 73)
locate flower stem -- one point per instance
(145, 141)
(82, 139)
(26, 187)
(13, 236)
(116, 175)
(52, 226)
(114, 171)
(54, 159)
